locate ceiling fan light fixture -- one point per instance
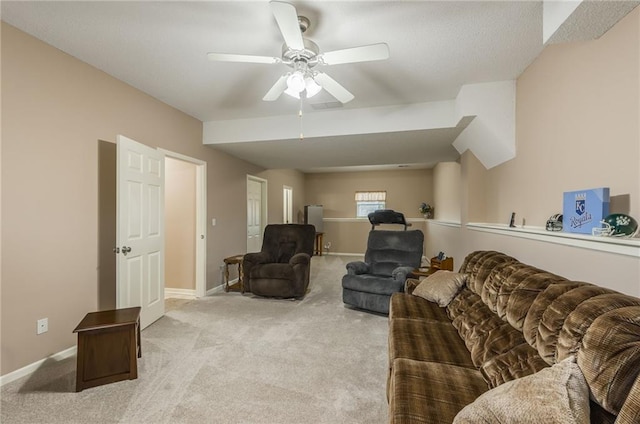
(295, 82)
(312, 87)
(292, 93)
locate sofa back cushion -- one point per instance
(609, 356)
(581, 318)
(478, 265)
(555, 315)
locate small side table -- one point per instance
(317, 247)
(435, 265)
(233, 260)
(108, 347)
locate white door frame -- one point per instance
(263, 202)
(201, 218)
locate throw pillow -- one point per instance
(558, 394)
(441, 287)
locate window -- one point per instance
(369, 201)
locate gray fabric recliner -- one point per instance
(390, 256)
(281, 268)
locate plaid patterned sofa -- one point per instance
(509, 321)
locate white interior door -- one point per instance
(287, 205)
(140, 229)
(254, 215)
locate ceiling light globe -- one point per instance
(292, 93)
(312, 87)
(295, 82)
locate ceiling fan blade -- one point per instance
(333, 87)
(287, 19)
(372, 52)
(277, 89)
(227, 57)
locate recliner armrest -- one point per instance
(258, 258)
(300, 259)
(400, 274)
(357, 267)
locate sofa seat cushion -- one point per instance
(407, 306)
(430, 392)
(371, 283)
(427, 341)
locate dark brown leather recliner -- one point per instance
(281, 268)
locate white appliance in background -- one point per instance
(313, 216)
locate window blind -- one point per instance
(371, 196)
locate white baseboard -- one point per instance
(179, 293)
(342, 254)
(26, 370)
(219, 288)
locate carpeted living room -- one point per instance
(480, 122)
(232, 358)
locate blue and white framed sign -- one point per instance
(583, 210)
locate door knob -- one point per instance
(116, 250)
(125, 250)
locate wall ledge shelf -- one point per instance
(443, 223)
(365, 220)
(621, 246)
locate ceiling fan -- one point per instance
(302, 56)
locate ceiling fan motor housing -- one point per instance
(309, 55)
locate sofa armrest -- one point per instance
(357, 267)
(400, 274)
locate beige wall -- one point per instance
(180, 224)
(406, 189)
(277, 178)
(447, 191)
(577, 127)
(55, 109)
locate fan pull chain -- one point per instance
(300, 116)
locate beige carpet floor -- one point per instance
(230, 358)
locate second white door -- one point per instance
(254, 215)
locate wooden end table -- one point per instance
(317, 245)
(233, 260)
(108, 347)
(435, 265)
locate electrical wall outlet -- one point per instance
(42, 326)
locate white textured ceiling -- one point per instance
(160, 48)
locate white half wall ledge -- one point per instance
(566, 21)
(491, 136)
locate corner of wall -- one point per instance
(491, 136)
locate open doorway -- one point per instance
(185, 225)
